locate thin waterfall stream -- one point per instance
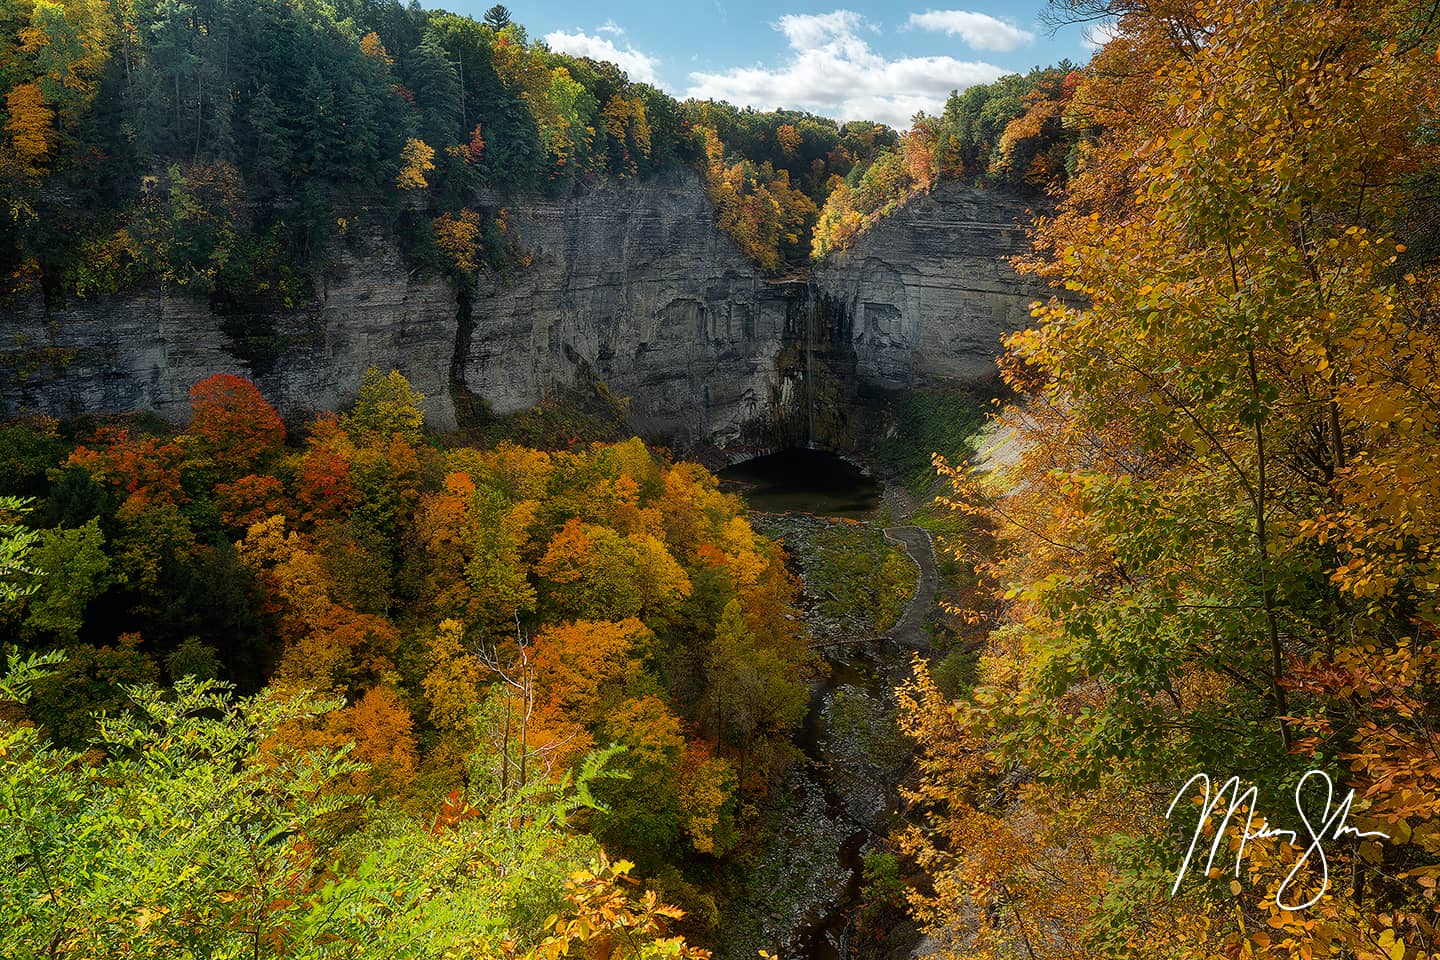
(810, 379)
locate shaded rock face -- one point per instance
(143, 350)
(930, 292)
(630, 283)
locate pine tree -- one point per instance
(270, 165)
(498, 17)
(436, 85)
(322, 140)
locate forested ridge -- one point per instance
(230, 147)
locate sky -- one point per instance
(860, 61)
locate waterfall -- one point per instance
(809, 370)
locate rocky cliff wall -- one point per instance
(929, 292)
(630, 283)
(144, 349)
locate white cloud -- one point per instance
(640, 66)
(979, 30)
(832, 71)
(1100, 34)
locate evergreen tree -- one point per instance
(270, 145)
(322, 140)
(498, 17)
(436, 84)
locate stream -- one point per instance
(838, 804)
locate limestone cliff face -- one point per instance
(143, 350)
(630, 283)
(929, 292)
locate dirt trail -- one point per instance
(910, 628)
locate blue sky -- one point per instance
(851, 60)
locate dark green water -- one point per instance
(803, 481)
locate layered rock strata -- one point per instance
(629, 283)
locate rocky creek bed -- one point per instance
(804, 890)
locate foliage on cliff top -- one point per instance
(235, 147)
(225, 145)
(1016, 132)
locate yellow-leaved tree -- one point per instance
(417, 158)
(1218, 543)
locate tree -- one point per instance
(63, 49)
(1217, 513)
(69, 701)
(416, 159)
(233, 424)
(250, 499)
(755, 204)
(29, 123)
(496, 571)
(384, 737)
(707, 799)
(271, 170)
(373, 47)
(321, 145)
(195, 660)
(788, 138)
(592, 572)
(644, 816)
(71, 569)
(458, 237)
(475, 149)
(325, 642)
(322, 477)
(436, 85)
(753, 693)
(146, 470)
(497, 17)
(196, 230)
(452, 685)
(386, 406)
(629, 130)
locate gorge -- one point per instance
(629, 283)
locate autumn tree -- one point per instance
(232, 423)
(29, 122)
(386, 406)
(452, 685)
(417, 158)
(458, 237)
(707, 786)
(756, 204)
(644, 816)
(1218, 425)
(592, 571)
